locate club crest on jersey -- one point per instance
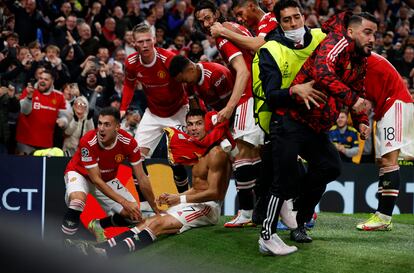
(349, 139)
(119, 158)
(84, 152)
(54, 101)
(161, 74)
(72, 179)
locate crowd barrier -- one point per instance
(32, 188)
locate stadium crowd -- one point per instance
(85, 45)
(62, 62)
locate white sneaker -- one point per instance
(287, 215)
(275, 246)
(242, 219)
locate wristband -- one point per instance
(183, 199)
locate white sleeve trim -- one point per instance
(137, 162)
(234, 56)
(91, 166)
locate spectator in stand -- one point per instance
(19, 70)
(72, 56)
(160, 38)
(121, 24)
(178, 46)
(269, 4)
(387, 49)
(95, 85)
(129, 43)
(133, 14)
(59, 33)
(177, 17)
(115, 101)
(80, 124)
(88, 43)
(344, 137)
(150, 19)
(161, 16)
(131, 121)
(53, 61)
(119, 77)
(70, 92)
(8, 105)
(103, 55)
(41, 108)
(27, 20)
(196, 51)
(405, 65)
(107, 36)
(36, 50)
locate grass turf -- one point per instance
(337, 247)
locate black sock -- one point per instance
(130, 244)
(245, 176)
(71, 219)
(115, 220)
(117, 239)
(390, 191)
(180, 178)
(379, 192)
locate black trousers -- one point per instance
(289, 139)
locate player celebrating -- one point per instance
(197, 207)
(248, 13)
(240, 106)
(93, 170)
(394, 113)
(166, 98)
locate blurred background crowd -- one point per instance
(83, 45)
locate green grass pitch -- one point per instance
(337, 247)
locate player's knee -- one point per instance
(245, 175)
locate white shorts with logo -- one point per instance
(193, 215)
(150, 129)
(76, 182)
(396, 130)
(245, 127)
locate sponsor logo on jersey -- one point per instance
(161, 74)
(119, 158)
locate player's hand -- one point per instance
(364, 130)
(309, 95)
(168, 199)
(30, 90)
(122, 112)
(224, 114)
(359, 105)
(217, 29)
(60, 122)
(132, 210)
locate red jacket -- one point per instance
(338, 71)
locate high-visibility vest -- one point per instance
(289, 61)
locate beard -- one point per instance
(359, 48)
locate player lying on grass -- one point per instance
(196, 207)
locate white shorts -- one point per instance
(150, 129)
(194, 215)
(396, 130)
(76, 182)
(245, 127)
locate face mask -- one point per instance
(296, 35)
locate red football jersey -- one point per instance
(266, 24)
(215, 86)
(37, 128)
(229, 51)
(165, 96)
(91, 154)
(384, 85)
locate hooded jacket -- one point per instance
(339, 71)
